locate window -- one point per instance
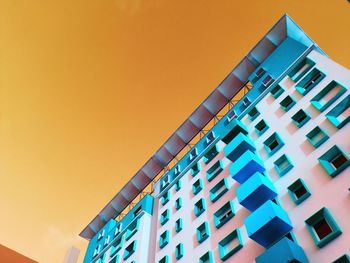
(230, 245)
(322, 227)
(202, 232)
(283, 165)
(117, 245)
(164, 217)
(253, 113)
(197, 186)
(343, 259)
(178, 225)
(300, 118)
(246, 101)
(164, 259)
(258, 74)
(178, 185)
(97, 251)
(164, 239)
(132, 229)
(206, 258)
(210, 155)
(193, 154)
(317, 136)
(261, 127)
(214, 171)
(178, 203)
(298, 191)
(165, 181)
(177, 170)
(219, 190)
(230, 116)
(267, 81)
(327, 96)
(224, 214)
(195, 169)
(118, 229)
(340, 114)
(210, 137)
(334, 161)
(273, 143)
(101, 234)
(287, 103)
(309, 81)
(137, 211)
(114, 260)
(129, 250)
(179, 251)
(165, 197)
(106, 241)
(199, 207)
(299, 71)
(276, 91)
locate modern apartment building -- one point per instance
(263, 174)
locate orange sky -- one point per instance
(90, 89)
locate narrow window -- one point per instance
(273, 143)
(253, 113)
(309, 81)
(300, 118)
(197, 186)
(177, 170)
(328, 95)
(276, 91)
(218, 190)
(199, 207)
(230, 116)
(283, 165)
(210, 155)
(132, 229)
(164, 259)
(202, 232)
(224, 214)
(267, 81)
(101, 234)
(206, 258)
(193, 154)
(334, 161)
(165, 198)
(195, 169)
(287, 103)
(322, 227)
(301, 69)
(115, 259)
(230, 245)
(164, 217)
(178, 185)
(340, 114)
(214, 171)
(129, 250)
(178, 203)
(178, 225)
(164, 239)
(261, 127)
(246, 101)
(137, 211)
(298, 191)
(165, 181)
(210, 137)
(179, 251)
(317, 136)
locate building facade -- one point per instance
(269, 182)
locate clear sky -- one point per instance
(90, 89)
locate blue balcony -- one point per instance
(245, 166)
(255, 191)
(283, 251)
(267, 224)
(238, 146)
(233, 128)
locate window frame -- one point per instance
(296, 185)
(198, 211)
(228, 207)
(326, 161)
(214, 194)
(224, 254)
(283, 158)
(199, 232)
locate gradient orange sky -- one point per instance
(90, 89)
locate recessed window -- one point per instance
(164, 239)
(317, 136)
(301, 69)
(117, 245)
(199, 207)
(323, 227)
(206, 258)
(267, 81)
(276, 91)
(177, 170)
(273, 143)
(210, 137)
(259, 73)
(164, 217)
(246, 101)
(165, 181)
(261, 127)
(114, 260)
(137, 211)
(210, 154)
(106, 241)
(195, 169)
(224, 214)
(193, 154)
(178, 203)
(253, 113)
(179, 251)
(101, 234)
(164, 259)
(165, 197)
(230, 116)
(197, 186)
(214, 171)
(178, 185)
(219, 190)
(97, 251)
(287, 103)
(309, 81)
(298, 191)
(129, 250)
(328, 95)
(343, 259)
(230, 245)
(132, 229)
(334, 161)
(300, 118)
(118, 229)
(283, 165)
(202, 232)
(340, 114)
(178, 225)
